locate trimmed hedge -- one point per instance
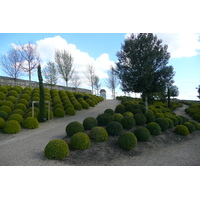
(128, 122)
(59, 112)
(89, 123)
(181, 130)
(120, 109)
(118, 117)
(4, 115)
(140, 119)
(2, 123)
(114, 128)
(190, 126)
(104, 119)
(11, 127)
(163, 123)
(127, 141)
(98, 134)
(30, 123)
(154, 128)
(74, 127)
(16, 117)
(142, 134)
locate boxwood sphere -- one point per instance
(190, 126)
(74, 127)
(59, 112)
(109, 111)
(80, 141)
(16, 117)
(98, 134)
(114, 128)
(30, 123)
(154, 128)
(142, 134)
(140, 119)
(120, 109)
(181, 130)
(163, 123)
(56, 149)
(4, 115)
(127, 141)
(128, 114)
(128, 122)
(89, 123)
(11, 127)
(70, 111)
(150, 117)
(118, 117)
(104, 119)
(2, 123)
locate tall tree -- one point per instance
(142, 65)
(112, 81)
(174, 92)
(50, 73)
(97, 85)
(90, 74)
(11, 63)
(76, 81)
(64, 62)
(198, 90)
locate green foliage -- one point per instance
(127, 141)
(185, 119)
(13, 93)
(89, 123)
(11, 127)
(2, 123)
(114, 128)
(70, 111)
(18, 111)
(109, 111)
(23, 101)
(196, 125)
(56, 149)
(12, 99)
(196, 116)
(137, 110)
(90, 102)
(120, 109)
(140, 119)
(7, 103)
(181, 130)
(16, 117)
(118, 117)
(17, 88)
(128, 122)
(171, 124)
(59, 112)
(104, 119)
(159, 115)
(80, 141)
(190, 126)
(30, 123)
(2, 96)
(142, 134)
(180, 120)
(128, 114)
(98, 134)
(150, 117)
(25, 96)
(175, 120)
(163, 123)
(4, 115)
(6, 109)
(20, 106)
(3, 89)
(154, 128)
(74, 127)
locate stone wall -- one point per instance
(25, 83)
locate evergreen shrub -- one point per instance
(91, 102)
(180, 120)
(190, 126)
(104, 119)
(154, 128)
(118, 117)
(30, 123)
(120, 109)
(136, 111)
(142, 134)
(150, 117)
(171, 124)
(114, 128)
(3, 89)
(13, 93)
(109, 111)
(16, 117)
(20, 106)
(128, 114)
(12, 99)
(70, 111)
(98, 134)
(2, 96)
(140, 119)
(2, 123)
(8, 103)
(196, 125)
(23, 101)
(181, 130)
(18, 111)
(127, 141)
(128, 122)
(74, 127)
(4, 115)
(6, 109)
(89, 123)
(175, 120)
(11, 127)
(163, 123)
(59, 112)
(25, 96)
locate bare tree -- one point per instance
(112, 81)
(90, 74)
(76, 81)
(50, 73)
(97, 85)
(11, 63)
(64, 62)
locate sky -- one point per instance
(99, 49)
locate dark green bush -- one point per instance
(171, 124)
(128, 114)
(175, 120)
(181, 130)
(142, 134)
(159, 115)
(25, 96)
(89, 123)
(23, 101)
(98, 134)
(109, 111)
(13, 93)
(12, 99)
(154, 128)
(180, 120)
(140, 119)
(80, 141)
(196, 116)
(150, 117)
(74, 127)
(4, 115)
(128, 122)
(30, 123)
(114, 128)
(2, 96)
(18, 111)
(104, 119)
(56, 149)
(8, 103)
(163, 123)
(118, 117)
(195, 124)
(11, 127)
(70, 111)
(20, 106)
(185, 119)
(120, 109)
(136, 111)
(59, 112)
(190, 126)
(127, 141)
(129, 108)
(90, 102)
(77, 105)
(3, 89)
(2, 123)
(16, 117)
(6, 109)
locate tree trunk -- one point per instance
(146, 103)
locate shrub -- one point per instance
(12, 99)
(171, 124)
(13, 93)
(185, 119)
(180, 120)
(190, 126)
(196, 116)
(104, 119)
(89, 123)
(3, 89)
(98, 134)
(142, 134)
(154, 128)
(59, 112)
(30, 123)
(135, 111)
(129, 108)
(175, 120)
(90, 102)
(159, 115)
(11, 127)
(70, 111)
(74, 127)
(140, 119)
(77, 106)
(80, 141)
(85, 105)
(114, 128)
(109, 111)
(25, 96)
(127, 141)
(23, 101)
(128, 114)
(16, 117)
(118, 117)
(150, 117)
(195, 124)
(2, 123)
(18, 111)
(128, 122)
(4, 115)
(56, 149)
(181, 130)
(6, 109)
(2, 96)
(163, 123)
(120, 109)
(20, 106)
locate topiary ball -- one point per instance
(163, 123)
(4, 115)
(190, 126)
(56, 149)
(120, 109)
(127, 141)
(6, 109)
(196, 125)
(154, 128)
(128, 114)
(59, 112)
(142, 134)
(98, 134)
(30, 123)
(89, 123)
(171, 124)
(74, 127)
(70, 111)
(128, 122)
(114, 128)
(181, 130)
(175, 120)
(150, 117)
(118, 117)
(80, 141)
(140, 119)
(2, 123)
(16, 117)
(104, 119)
(2, 96)
(11, 127)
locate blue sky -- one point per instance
(100, 50)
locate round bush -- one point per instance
(80, 141)
(181, 130)
(70, 111)
(16, 117)
(135, 111)
(163, 123)
(2, 123)
(140, 119)
(128, 122)
(6, 109)
(196, 116)
(30, 123)
(180, 120)
(18, 111)
(171, 124)
(190, 126)
(4, 115)
(129, 108)
(3, 89)
(20, 106)
(74, 127)
(56, 149)
(150, 117)
(127, 141)
(159, 115)
(128, 114)
(98, 134)
(195, 124)
(77, 106)
(2, 96)
(154, 128)
(8, 103)
(11, 127)
(59, 112)
(120, 109)
(89, 123)
(85, 105)
(142, 134)
(109, 111)
(13, 93)
(90, 102)
(118, 117)
(185, 119)
(23, 101)
(104, 119)
(114, 128)
(175, 120)
(12, 99)
(25, 96)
